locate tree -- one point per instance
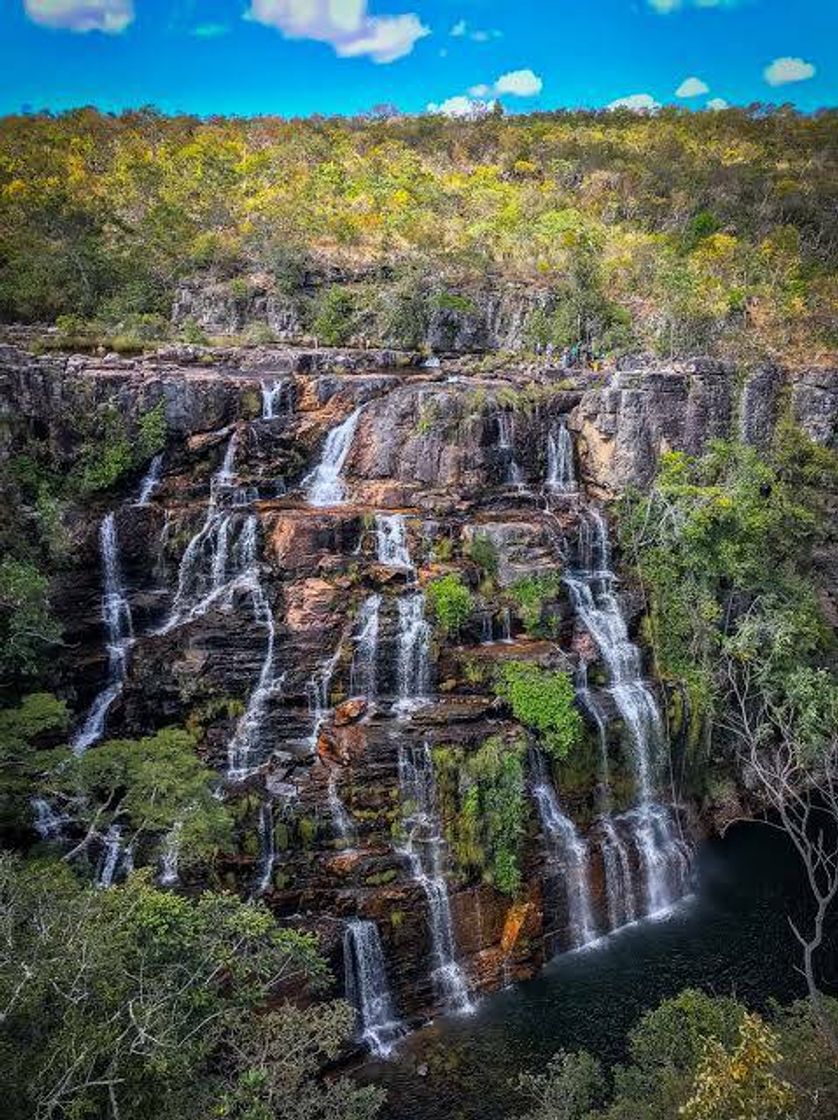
(27, 626)
(566, 1090)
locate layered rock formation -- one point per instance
(275, 574)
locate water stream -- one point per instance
(324, 486)
(367, 988)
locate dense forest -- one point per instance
(341, 687)
(678, 233)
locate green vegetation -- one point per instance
(138, 1003)
(531, 595)
(680, 232)
(700, 1057)
(723, 547)
(484, 806)
(483, 552)
(451, 603)
(543, 701)
(27, 626)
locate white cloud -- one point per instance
(462, 107)
(480, 90)
(717, 104)
(110, 16)
(344, 24)
(664, 7)
(462, 30)
(459, 29)
(638, 102)
(785, 70)
(520, 83)
(692, 87)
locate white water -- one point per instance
(568, 850)
(318, 689)
(343, 825)
(324, 485)
(110, 859)
(592, 592)
(367, 988)
(561, 476)
(47, 823)
(364, 671)
(506, 442)
(391, 540)
(619, 889)
(151, 480)
(414, 651)
(276, 399)
(267, 844)
(116, 619)
(425, 850)
(170, 857)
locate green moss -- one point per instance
(381, 878)
(307, 829)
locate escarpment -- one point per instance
(278, 580)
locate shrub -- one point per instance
(542, 700)
(483, 552)
(451, 603)
(334, 316)
(530, 595)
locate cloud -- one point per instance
(110, 16)
(210, 30)
(716, 104)
(665, 7)
(637, 102)
(462, 107)
(462, 30)
(785, 70)
(692, 87)
(480, 90)
(344, 24)
(520, 83)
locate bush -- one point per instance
(334, 317)
(531, 594)
(483, 552)
(451, 603)
(542, 700)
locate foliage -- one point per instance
(27, 626)
(451, 603)
(110, 450)
(542, 700)
(678, 230)
(566, 1089)
(334, 318)
(140, 1003)
(483, 798)
(483, 552)
(40, 715)
(148, 786)
(530, 595)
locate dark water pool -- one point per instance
(731, 937)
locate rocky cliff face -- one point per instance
(276, 575)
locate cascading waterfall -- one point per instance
(112, 854)
(561, 475)
(589, 705)
(170, 857)
(592, 593)
(324, 485)
(343, 825)
(568, 850)
(424, 850)
(367, 988)
(276, 400)
(151, 481)
(506, 442)
(619, 889)
(116, 618)
(248, 730)
(47, 823)
(364, 671)
(318, 689)
(391, 541)
(414, 651)
(267, 846)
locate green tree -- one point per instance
(28, 628)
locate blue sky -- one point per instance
(296, 57)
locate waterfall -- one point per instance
(344, 828)
(592, 593)
(47, 823)
(267, 845)
(116, 619)
(414, 651)
(275, 399)
(170, 857)
(506, 625)
(424, 851)
(110, 858)
(561, 476)
(568, 850)
(364, 671)
(589, 705)
(248, 730)
(367, 989)
(619, 890)
(318, 688)
(324, 485)
(506, 442)
(151, 480)
(391, 541)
